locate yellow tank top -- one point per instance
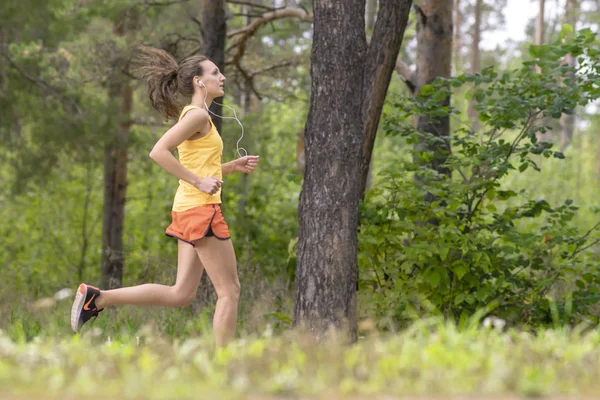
(203, 157)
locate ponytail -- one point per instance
(166, 79)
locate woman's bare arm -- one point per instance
(183, 130)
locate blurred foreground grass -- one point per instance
(431, 358)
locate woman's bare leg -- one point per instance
(189, 272)
(218, 259)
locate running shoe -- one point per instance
(84, 306)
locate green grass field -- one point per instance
(430, 360)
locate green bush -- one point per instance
(466, 242)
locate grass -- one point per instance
(431, 358)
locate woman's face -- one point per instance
(213, 79)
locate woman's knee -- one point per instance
(231, 291)
(182, 297)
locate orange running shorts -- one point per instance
(198, 222)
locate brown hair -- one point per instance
(166, 78)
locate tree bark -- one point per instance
(115, 182)
(434, 59)
(347, 77)
(327, 263)
(475, 62)
(539, 31)
(214, 33)
(567, 121)
(457, 35)
(380, 62)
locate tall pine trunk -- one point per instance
(475, 62)
(327, 263)
(115, 175)
(567, 121)
(349, 84)
(434, 59)
(539, 30)
(214, 33)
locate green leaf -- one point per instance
(460, 271)
(535, 51)
(444, 252)
(566, 30)
(459, 299)
(523, 167)
(433, 277)
(427, 90)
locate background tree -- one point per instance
(434, 59)
(345, 108)
(567, 121)
(475, 61)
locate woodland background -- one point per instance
(514, 237)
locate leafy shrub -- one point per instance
(466, 245)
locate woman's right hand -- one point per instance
(210, 185)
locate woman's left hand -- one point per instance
(245, 164)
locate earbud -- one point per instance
(201, 83)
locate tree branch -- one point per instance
(245, 33)
(248, 3)
(265, 18)
(249, 78)
(281, 64)
(248, 31)
(44, 85)
(405, 72)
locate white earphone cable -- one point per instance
(237, 145)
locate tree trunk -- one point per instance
(115, 182)
(457, 36)
(370, 14)
(475, 62)
(346, 77)
(380, 63)
(567, 121)
(434, 59)
(214, 32)
(539, 31)
(539, 40)
(327, 250)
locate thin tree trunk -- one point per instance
(370, 14)
(327, 268)
(84, 223)
(214, 33)
(457, 35)
(567, 121)
(115, 183)
(539, 31)
(245, 104)
(539, 40)
(434, 59)
(475, 63)
(380, 63)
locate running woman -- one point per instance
(203, 238)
